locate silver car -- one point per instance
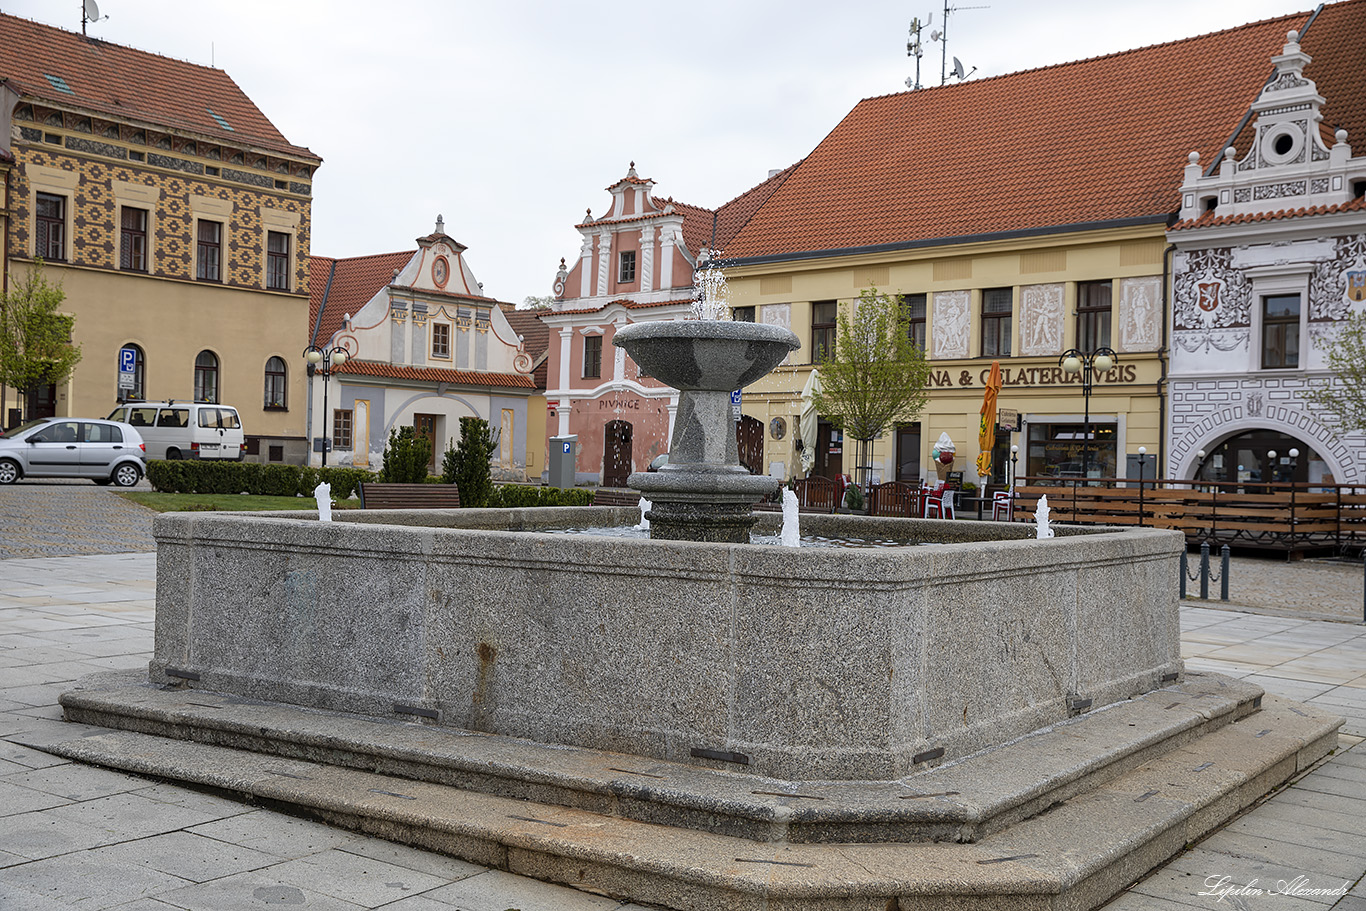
(103, 451)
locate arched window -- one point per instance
(138, 391)
(275, 383)
(206, 377)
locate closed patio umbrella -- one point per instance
(986, 430)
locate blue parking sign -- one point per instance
(128, 365)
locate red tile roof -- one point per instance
(124, 83)
(337, 287)
(1213, 219)
(628, 304)
(535, 336)
(436, 375)
(1097, 141)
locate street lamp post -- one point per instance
(321, 362)
(1074, 361)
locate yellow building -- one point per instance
(1018, 217)
(175, 217)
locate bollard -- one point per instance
(1204, 570)
(1225, 553)
(1183, 574)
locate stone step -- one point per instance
(962, 801)
(1075, 855)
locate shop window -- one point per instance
(1280, 331)
(1071, 451)
(742, 314)
(1093, 315)
(824, 315)
(133, 240)
(50, 227)
(996, 306)
(275, 384)
(592, 357)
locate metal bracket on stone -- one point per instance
(182, 675)
(1076, 705)
(720, 756)
(401, 709)
(927, 756)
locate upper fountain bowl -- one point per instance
(706, 355)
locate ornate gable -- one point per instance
(1289, 164)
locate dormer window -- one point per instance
(626, 271)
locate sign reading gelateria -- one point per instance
(1027, 376)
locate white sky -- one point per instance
(510, 117)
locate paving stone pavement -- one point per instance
(79, 837)
(58, 518)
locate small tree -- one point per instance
(405, 457)
(471, 463)
(1346, 356)
(35, 339)
(875, 376)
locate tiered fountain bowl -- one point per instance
(704, 493)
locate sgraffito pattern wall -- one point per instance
(95, 229)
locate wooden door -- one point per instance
(749, 441)
(908, 453)
(425, 426)
(616, 453)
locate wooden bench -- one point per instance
(378, 495)
(616, 496)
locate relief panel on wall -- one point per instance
(1041, 319)
(949, 332)
(1140, 313)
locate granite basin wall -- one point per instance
(798, 664)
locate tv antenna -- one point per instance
(941, 35)
(915, 49)
(90, 12)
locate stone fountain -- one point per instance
(695, 723)
(704, 493)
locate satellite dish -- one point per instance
(957, 68)
(92, 10)
(935, 34)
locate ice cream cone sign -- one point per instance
(986, 431)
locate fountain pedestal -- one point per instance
(704, 493)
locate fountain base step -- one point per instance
(1063, 818)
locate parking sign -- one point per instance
(128, 366)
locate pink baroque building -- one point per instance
(635, 263)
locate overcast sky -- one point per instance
(509, 118)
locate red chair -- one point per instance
(939, 503)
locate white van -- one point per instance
(185, 430)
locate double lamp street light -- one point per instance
(321, 362)
(1074, 361)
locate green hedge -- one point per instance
(519, 495)
(270, 480)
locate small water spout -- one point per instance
(713, 299)
(792, 535)
(323, 494)
(1043, 530)
(644, 520)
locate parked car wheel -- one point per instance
(9, 471)
(172, 454)
(126, 475)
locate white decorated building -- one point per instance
(424, 347)
(1270, 258)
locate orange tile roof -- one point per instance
(1213, 219)
(337, 287)
(535, 336)
(1098, 141)
(628, 304)
(437, 375)
(123, 83)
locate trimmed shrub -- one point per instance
(406, 457)
(470, 463)
(516, 496)
(271, 479)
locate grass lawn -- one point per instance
(206, 502)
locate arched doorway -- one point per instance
(1244, 457)
(749, 441)
(616, 453)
